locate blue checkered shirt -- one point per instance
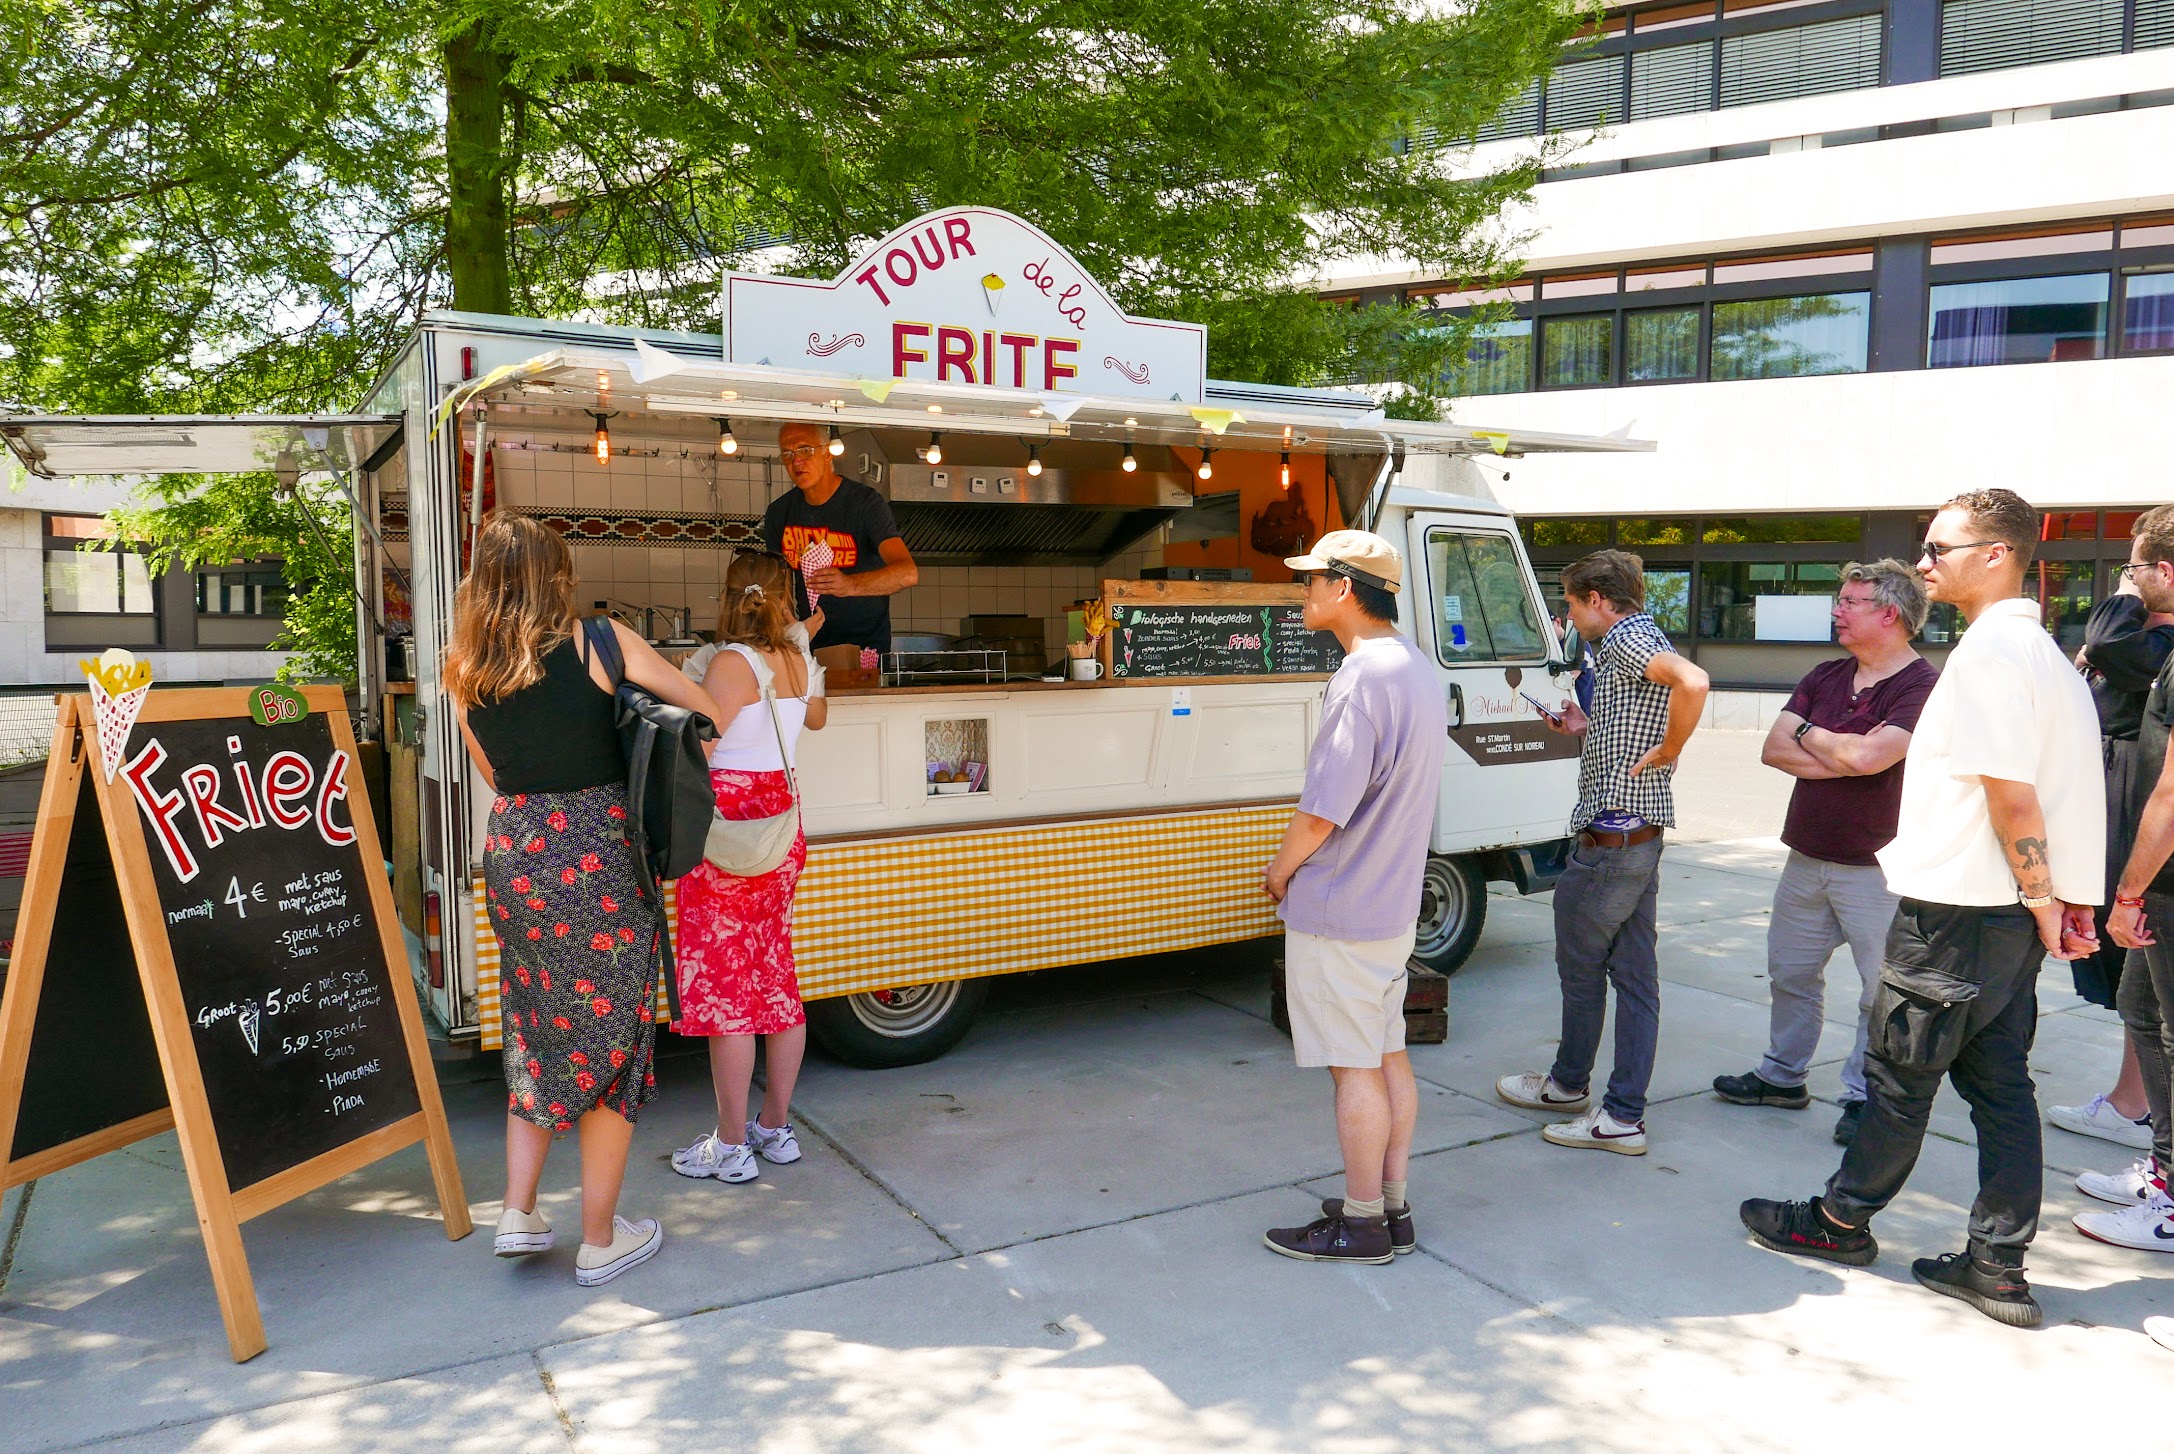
(1628, 720)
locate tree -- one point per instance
(216, 204)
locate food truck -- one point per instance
(1010, 788)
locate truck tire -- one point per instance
(1452, 911)
(906, 1026)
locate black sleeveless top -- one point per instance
(552, 736)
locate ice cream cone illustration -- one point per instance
(252, 1018)
(815, 557)
(992, 288)
(119, 683)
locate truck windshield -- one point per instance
(1483, 611)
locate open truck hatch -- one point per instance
(56, 445)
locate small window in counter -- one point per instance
(957, 752)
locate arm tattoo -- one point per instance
(2031, 852)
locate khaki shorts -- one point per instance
(1346, 997)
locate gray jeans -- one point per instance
(1819, 907)
(1604, 935)
(2146, 999)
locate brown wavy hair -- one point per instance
(756, 606)
(515, 605)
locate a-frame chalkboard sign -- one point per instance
(221, 960)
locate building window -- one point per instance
(1752, 600)
(1577, 531)
(1668, 599)
(1769, 338)
(1577, 351)
(1783, 530)
(1499, 359)
(2147, 312)
(2064, 591)
(1660, 344)
(1803, 60)
(2020, 320)
(254, 588)
(82, 579)
(1992, 35)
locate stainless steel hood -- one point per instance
(978, 505)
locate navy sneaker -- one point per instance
(1748, 1090)
(1335, 1238)
(1403, 1237)
(1998, 1292)
(1802, 1230)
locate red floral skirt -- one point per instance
(735, 944)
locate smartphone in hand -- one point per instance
(1552, 716)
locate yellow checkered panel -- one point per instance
(892, 912)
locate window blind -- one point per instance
(1803, 60)
(1585, 93)
(2154, 23)
(1993, 35)
(1673, 80)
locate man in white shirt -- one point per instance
(1999, 854)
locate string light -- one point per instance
(837, 444)
(1287, 469)
(1034, 459)
(726, 442)
(934, 454)
(1207, 471)
(1130, 464)
(603, 438)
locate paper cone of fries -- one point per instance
(119, 683)
(815, 557)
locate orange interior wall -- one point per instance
(1257, 477)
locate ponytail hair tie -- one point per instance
(755, 589)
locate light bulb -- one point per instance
(837, 445)
(1034, 459)
(1287, 469)
(935, 452)
(603, 440)
(727, 443)
(1207, 471)
(1130, 463)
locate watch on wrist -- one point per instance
(2030, 903)
(1798, 735)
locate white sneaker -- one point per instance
(1597, 1130)
(779, 1147)
(2160, 1331)
(2124, 1188)
(1536, 1090)
(710, 1155)
(522, 1234)
(632, 1244)
(2100, 1119)
(2147, 1226)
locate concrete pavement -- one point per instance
(1050, 1239)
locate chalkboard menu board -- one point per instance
(1216, 639)
(219, 961)
(283, 972)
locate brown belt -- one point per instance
(1595, 838)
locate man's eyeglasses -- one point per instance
(1935, 552)
(805, 451)
(1858, 603)
(2133, 566)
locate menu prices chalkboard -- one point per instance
(282, 970)
(1218, 639)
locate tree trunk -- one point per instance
(477, 174)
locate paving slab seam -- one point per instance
(551, 1394)
(15, 1233)
(1203, 995)
(809, 1123)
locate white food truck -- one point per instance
(1037, 446)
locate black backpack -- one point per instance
(669, 799)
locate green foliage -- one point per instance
(244, 204)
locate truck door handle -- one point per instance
(1456, 706)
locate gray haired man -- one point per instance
(1842, 737)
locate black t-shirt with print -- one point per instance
(856, 521)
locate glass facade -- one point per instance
(2147, 312)
(1745, 600)
(1577, 351)
(82, 578)
(2018, 320)
(1499, 361)
(254, 589)
(1771, 338)
(1660, 344)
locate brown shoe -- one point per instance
(1402, 1236)
(1335, 1238)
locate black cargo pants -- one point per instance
(1958, 997)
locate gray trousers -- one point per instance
(1605, 935)
(1819, 907)
(2147, 1011)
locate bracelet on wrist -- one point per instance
(2044, 902)
(2122, 900)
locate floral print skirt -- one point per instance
(736, 974)
(578, 949)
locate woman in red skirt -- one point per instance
(736, 974)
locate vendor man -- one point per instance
(869, 563)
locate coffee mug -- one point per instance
(1085, 669)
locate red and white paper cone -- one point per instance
(817, 556)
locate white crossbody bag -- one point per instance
(752, 847)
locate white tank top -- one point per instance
(748, 743)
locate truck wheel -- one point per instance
(905, 1026)
(1452, 911)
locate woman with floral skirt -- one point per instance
(578, 936)
(737, 980)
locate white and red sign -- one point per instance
(968, 295)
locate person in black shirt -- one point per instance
(869, 560)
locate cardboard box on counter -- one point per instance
(842, 667)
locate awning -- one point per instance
(194, 444)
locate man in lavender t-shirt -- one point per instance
(1348, 877)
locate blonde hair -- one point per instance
(756, 606)
(515, 605)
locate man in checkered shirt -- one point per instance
(1646, 704)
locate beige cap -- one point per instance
(1359, 555)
